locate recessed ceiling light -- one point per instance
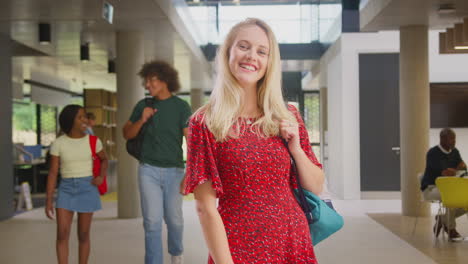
(111, 66)
(44, 33)
(84, 52)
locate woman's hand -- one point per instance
(49, 210)
(97, 180)
(290, 132)
(182, 186)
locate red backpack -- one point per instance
(97, 164)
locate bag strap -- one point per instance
(92, 143)
(302, 199)
(149, 102)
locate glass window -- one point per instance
(291, 23)
(312, 120)
(24, 123)
(48, 124)
(327, 23)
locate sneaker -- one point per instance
(453, 235)
(177, 259)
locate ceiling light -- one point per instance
(461, 47)
(84, 52)
(111, 66)
(44, 33)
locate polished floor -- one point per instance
(374, 232)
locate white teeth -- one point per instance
(248, 67)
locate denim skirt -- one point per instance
(78, 195)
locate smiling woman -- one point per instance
(248, 83)
(248, 56)
(77, 192)
(236, 153)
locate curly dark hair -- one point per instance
(67, 117)
(163, 71)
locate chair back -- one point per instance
(453, 191)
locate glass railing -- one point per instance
(330, 23)
(292, 22)
(331, 31)
(363, 3)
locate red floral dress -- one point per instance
(253, 181)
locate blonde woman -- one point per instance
(236, 153)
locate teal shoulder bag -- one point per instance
(323, 220)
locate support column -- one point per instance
(414, 116)
(198, 84)
(130, 57)
(6, 160)
(324, 126)
(196, 98)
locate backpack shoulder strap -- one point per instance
(149, 101)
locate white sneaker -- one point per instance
(177, 259)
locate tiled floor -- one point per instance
(418, 233)
(29, 238)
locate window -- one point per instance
(312, 120)
(24, 122)
(48, 119)
(291, 23)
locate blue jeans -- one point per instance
(160, 199)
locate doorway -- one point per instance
(379, 121)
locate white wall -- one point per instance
(341, 67)
(342, 82)
(445, 67)
(335, 127)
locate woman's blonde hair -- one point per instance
(221, 114)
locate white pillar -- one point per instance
(414, 116)
(130, 57)
(196, 98)
(200, 82)
(323, 126)
(6, 161)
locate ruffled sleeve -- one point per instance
(304, 141)
(201, 159)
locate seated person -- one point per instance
(442, 160)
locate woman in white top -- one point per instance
(77, 191)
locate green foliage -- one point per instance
(24, 116)
(48, 119)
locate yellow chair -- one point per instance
(454, 192)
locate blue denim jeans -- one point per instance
(160, 199)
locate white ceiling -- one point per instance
(378, 15)
(74, 22)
